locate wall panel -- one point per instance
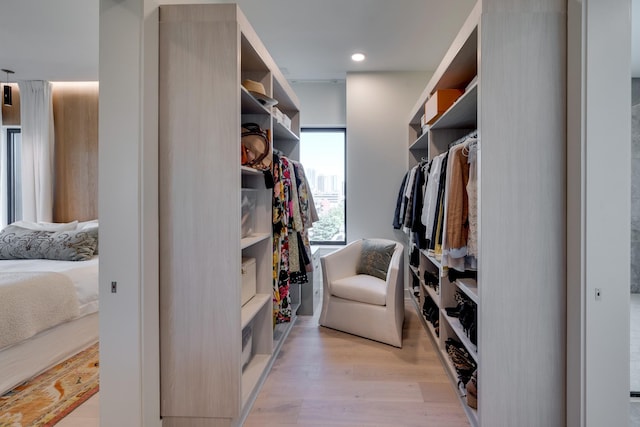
(75, 114)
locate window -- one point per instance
(14, 181)
(322, 153)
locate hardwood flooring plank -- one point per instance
(434, 392)
(346, 389)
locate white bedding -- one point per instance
(83, 274)
(32, 356)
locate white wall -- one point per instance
(607, 138)
(129, 336)
(322, 104)
(598, 213)
(378, 110)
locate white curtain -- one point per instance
(36, 119)
(3, 172)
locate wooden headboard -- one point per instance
(75, 116)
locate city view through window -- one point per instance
(322, 153)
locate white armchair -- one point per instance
(360, 304)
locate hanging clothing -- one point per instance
(455, 253)
(294, 213)
(457, 200)
(430, 201)
(408, 194)
(417, 205)
(472, 193)
(450, 218)
(436, 235)
(437, 206)
(399, 204)
(296, 272)
(281, 214)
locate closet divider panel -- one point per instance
(521, 213)
(199, 214)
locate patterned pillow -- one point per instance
(375, 258)
(93, 232)
(21, 243)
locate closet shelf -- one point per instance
(253, 239)
(250, 105)
(462, 114)
(455, 324)
(280, 132)
(432, 258)
(431, 292)
(415, 271)
(252, 307)
(469, 287)
(450, 369)
(252, 374)
(471, 413)
(421, 143)
(246, 170)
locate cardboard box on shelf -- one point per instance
(440, 102)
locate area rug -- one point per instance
(49, 397)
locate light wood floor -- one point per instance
(325, 378)
(86, 415)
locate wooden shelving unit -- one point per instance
(516, 101)
(206, 51)
(458, 70)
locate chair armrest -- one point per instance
(395, 275)
(341, 263)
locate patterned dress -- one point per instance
(281, 220)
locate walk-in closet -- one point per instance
(471, 257)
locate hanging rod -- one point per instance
(473, 134)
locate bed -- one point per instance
(48, 307)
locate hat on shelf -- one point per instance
(257, 90)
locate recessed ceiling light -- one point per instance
(357, 57)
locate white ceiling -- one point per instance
(310, 40)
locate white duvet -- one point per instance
(83, 274)
(77, 292)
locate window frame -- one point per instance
(343, 131)
(11, 177)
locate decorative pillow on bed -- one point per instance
(21, 243)
(90, 227)
(375, 258)
(47, 226)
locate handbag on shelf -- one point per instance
(255, 147)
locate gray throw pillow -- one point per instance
(93, 232)
(375, 258)
(20, 243)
